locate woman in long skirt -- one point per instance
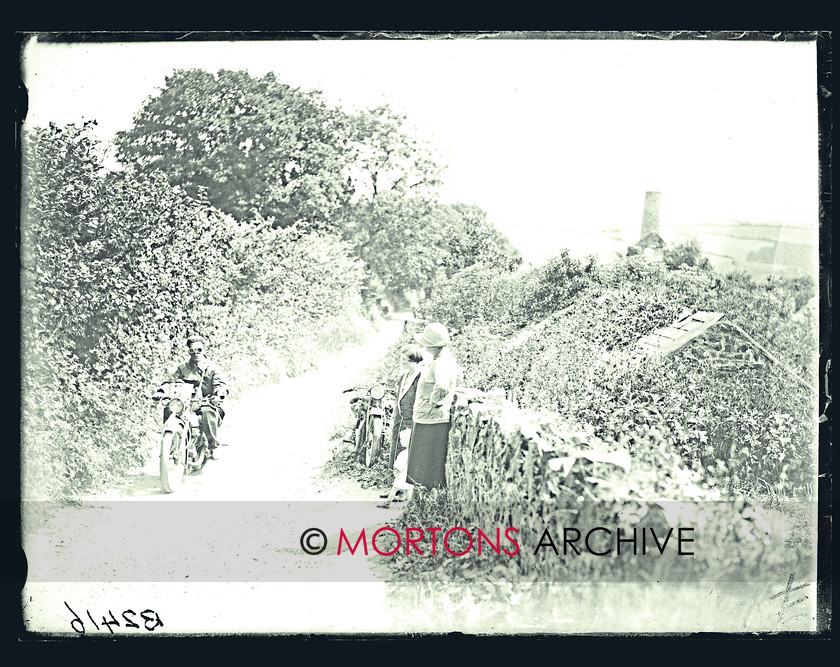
(432, 405)
(403, 422)
(411, 356)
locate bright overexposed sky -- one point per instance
(546, 135)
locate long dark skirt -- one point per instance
(427, 455)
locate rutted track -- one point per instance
(279, 436)
(218, 576)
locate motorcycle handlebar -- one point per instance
(388, 390)
(160, 394)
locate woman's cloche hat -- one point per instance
(434, 335)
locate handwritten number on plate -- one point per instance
(151, 619)
(128, 622)
(91, 619)
(113, 621)
(81, 628)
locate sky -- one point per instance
(550, 137)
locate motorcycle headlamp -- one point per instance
(176, 406)
(377, 391)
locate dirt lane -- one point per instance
(222, 555)
(279, 436)
(212, 556)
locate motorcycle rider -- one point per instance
(200, 369)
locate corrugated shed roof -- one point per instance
(671, 338)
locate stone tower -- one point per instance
(650, 237)
(650, 218)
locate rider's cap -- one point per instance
(434, 335)
(194, 339)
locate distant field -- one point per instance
(770, 233)
(762, 250)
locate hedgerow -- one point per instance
(117, 269)
(552, 285)
(749, 428)
(474, 295)
(505, 300)
(536, 472)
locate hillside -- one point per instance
(552, 336)
(558, 426)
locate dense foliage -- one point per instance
(255, 145)
(412, 244)
(490, 293)
(537, 472)
(607, 437)
(257, 148)
(559, 336)
(687, 253)
(385, 156)
(117, 269)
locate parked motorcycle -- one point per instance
(373, 409)
(183, 449)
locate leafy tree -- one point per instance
(471, 239)
(117, 269)
(398, 241)
(386, 157)
(260, 149)
(255, 145)
(412, 244)
(408, 240)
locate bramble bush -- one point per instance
(503, 300)
(118, 268)
(751, 430)
(738, 427)
(630, 271)
(617, 318)
(535, 471)
(762, 307)
(475, 295)
(686, 253)
(552, 285)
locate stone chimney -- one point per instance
(650, 218)
(650, 237)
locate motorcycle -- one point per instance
(373, 410)
(184, 448)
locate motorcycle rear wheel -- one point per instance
(373, 443)
(172, 461)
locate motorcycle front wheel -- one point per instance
(373, 445)
(172, 461)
